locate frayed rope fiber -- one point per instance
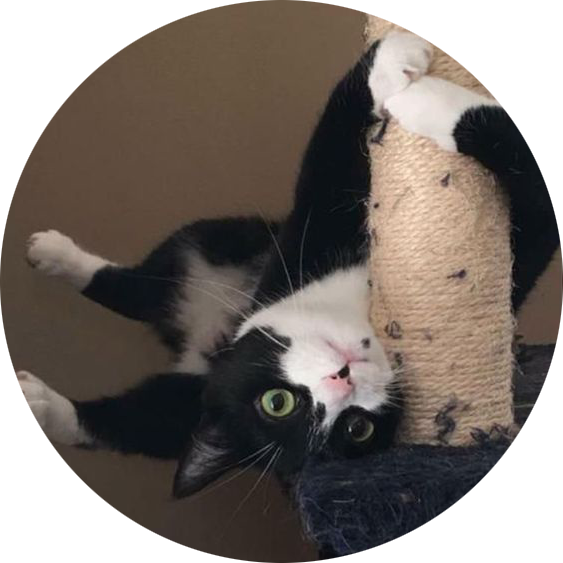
(356, 505)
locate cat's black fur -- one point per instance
(211, 420)
(147, 291)
(534, 228)
(155, 418)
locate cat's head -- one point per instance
(302, 379)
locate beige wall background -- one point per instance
(205, 117)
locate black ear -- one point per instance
(208, 456)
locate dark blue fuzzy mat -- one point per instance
(353, 505)
(349, 506)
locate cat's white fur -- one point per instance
(400, 58)
(54, 413)
(326, 315)
(334, 312)
(213, 295)
(431, 107)
(55, 254)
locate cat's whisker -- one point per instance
(278, 454)
(302, 248)
(231, 288)
(391, 403)
(310, 437)
(265, 451)
(182, 281)
(219, 351)
(265, 364)
(243, 315)
(268, 335)
(272, 470)
(254, 487)
(233, 308)
(393, 400)
(250, 456)
(301, 254)
(280, 254)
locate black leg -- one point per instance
(155, 418)
(327, 224)
(142, 292)
(136, 293)
(489, 135)
(191, 266)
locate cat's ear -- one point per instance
(208, 456)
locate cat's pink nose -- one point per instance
(339, 384)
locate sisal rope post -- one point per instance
(441, 276)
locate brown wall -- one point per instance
(205, 117)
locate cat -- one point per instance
(274, 358)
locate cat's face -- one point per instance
(302, 379)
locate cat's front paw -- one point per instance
(432, 107)
(401, 58)
(51, 252)
(55, 414)
(56, 254)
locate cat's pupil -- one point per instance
(277, 402)
(357, 427)
(360, 428)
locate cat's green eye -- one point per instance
(278, 402)
(360, 429)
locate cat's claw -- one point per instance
(401, 58)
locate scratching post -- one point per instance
(441, 272)
(441, 277)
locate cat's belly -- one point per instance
(215, 296)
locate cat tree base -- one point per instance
(352, 505)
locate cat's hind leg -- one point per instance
(155, 418)
(55, 414)
(190, 288)
(55, 254)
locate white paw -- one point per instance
(400, 59)
(56, 254)
(55, 414)
(51, 252)
(432, 107)
(36, 394)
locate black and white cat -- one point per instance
(274, 356)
